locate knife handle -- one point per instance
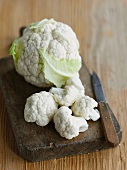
(108, 125)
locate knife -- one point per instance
(105, 112)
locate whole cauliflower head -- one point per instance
(84, 107)
(47, 53)
(69, 126)
(40, 108)
(72, 91)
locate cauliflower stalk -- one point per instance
(69, 126)
(40, 108)
(84, 107)
(72, 91)
(47, 53)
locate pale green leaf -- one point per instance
(58, 71)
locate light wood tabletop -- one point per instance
(101, 27)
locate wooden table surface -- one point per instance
(101, 27)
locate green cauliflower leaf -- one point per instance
(58, 71)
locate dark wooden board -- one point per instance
(42, 143)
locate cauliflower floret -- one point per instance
(69, 126)
(84, 107)
(40, 108)
(55, 38)
(72, 91)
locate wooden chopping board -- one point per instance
(37, 143)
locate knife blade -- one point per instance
(105, 112)
(98, 89)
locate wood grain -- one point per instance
(101, 29)
(108, 125)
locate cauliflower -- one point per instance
(47, 53)
(69, 126)
(84, 107)
(40, 108)
(72, 91)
